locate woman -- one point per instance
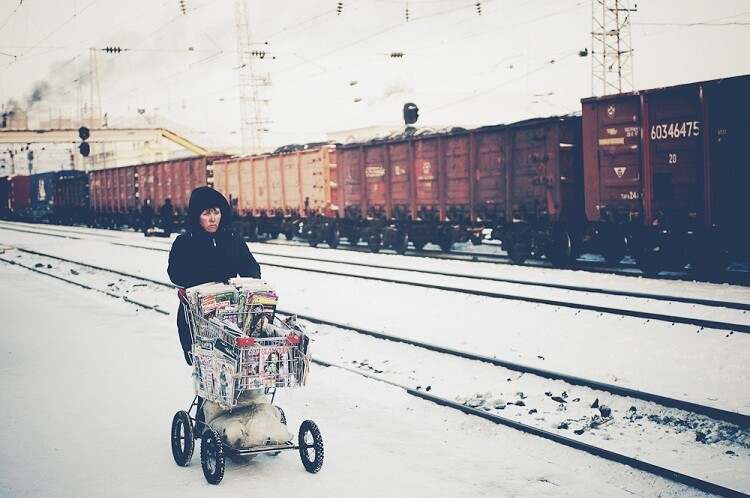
(208, 252)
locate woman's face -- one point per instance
(210, 219)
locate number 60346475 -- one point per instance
(675, 130)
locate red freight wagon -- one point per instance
(20, 192)
(667, 169)
(174, 179)
(112, 194)
(544, 182)
(272, 193)
(522, 180)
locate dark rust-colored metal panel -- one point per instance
(457, 181)
(534, 186)
(351, 174)
(175, 179)
(398, 154)
(491, 146)
(612, 156)
(375, 177)
(545, 170)
(673, 128)
(113, 190)
(71, 190)
(20, 191)
(426, 176)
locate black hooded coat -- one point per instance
(198, 257)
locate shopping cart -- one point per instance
(240, 350)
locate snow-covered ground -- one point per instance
(87, 353)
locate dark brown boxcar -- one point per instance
(174, 179)
(728, 140)
(112, 196)
(444, 188)
(20, 192)
(71, 194)
(545, 191)
(613, 169)
(668, 168)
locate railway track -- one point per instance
(700, 484)
(580, 304)
(718, 414)
(712, 412)
(732, 277)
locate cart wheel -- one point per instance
(182, 438)
(212, 456)
(310, 446)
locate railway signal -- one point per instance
(411, 113)
(84, 147)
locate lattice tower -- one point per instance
(611, 47)
(251, 84)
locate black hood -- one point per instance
(204, 198)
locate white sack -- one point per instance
(254, 422)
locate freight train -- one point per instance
(659, 174)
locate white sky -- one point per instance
(459, 67)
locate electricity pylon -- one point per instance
(251, 84)
(611, 47)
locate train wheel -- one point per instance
(182, 438)
(402, 242)
(374, 242)
(273, 234)
(253, 233)
(648, 257)
(518, 252)
(334, 238)
(613, 247)
(476, 239)
(212, 456)
(312, 239)
(288, 234)
(419, 244)
(310, 446)
(353, 239)
(446, 244)
(710, 259)
(561, 247)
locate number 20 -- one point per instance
(672, 158)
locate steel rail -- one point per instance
(703, 323)
(592, 290)
(739, 419)
(694, 482)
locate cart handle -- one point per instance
(182, 296)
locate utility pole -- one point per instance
(251, 84)
(95, 111)
(611, 47)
